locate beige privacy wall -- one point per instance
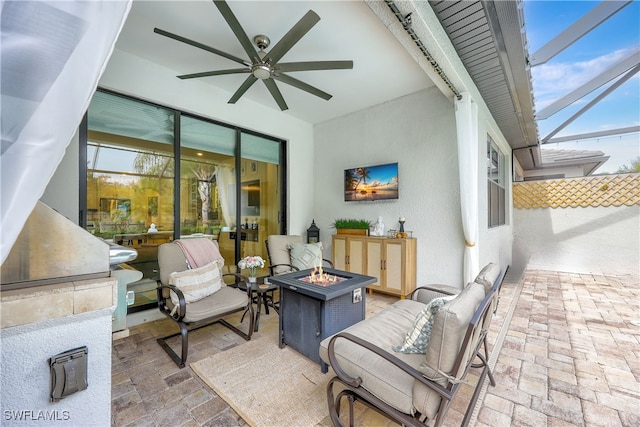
(591, 191)
(579, 225)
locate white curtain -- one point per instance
(53, 54)
(467, 131)
(225, 180)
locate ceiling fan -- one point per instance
(264, 65)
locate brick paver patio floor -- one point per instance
(571, 356)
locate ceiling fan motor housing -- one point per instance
(261, 71)
(262, 41)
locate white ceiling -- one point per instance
(348, 30)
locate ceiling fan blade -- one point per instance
(275, 92)
(243, 88)
(314, 65)
(301, 85)
(201, 46)
(237, 29)
(293, 36)
(215, 73)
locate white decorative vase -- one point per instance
(252, 280)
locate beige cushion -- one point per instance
(305, 255)
(380, 377)
(449, 327)
(434, 291)
(278, 252)
(487, 276)
(197, 283)
(170, 259)
(417, 338)
(225, 300)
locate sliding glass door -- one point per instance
(259, 195)
(130, 181)
(154, 174)
(208, 183)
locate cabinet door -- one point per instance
(339, 253)
(356, 255)
(394, 265)
(374, 262)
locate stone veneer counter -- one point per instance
(37, 304)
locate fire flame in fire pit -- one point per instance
(319, 277)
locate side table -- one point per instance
(261, 297)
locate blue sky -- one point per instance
(383, 174)
(613, 40)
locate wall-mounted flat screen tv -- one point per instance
(370, 183)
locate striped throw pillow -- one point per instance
(417, 339)
(197, 283)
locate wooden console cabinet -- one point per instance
(391, 261)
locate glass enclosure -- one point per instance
(134, 198)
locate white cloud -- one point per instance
(552, 81)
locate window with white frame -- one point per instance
(496, 183)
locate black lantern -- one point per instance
(313, 233)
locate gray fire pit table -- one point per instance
(309, 312)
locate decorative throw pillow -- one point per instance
(305, 255)
(416, 340)
(197, 283)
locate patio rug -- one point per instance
(268, 386)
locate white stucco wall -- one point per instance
(25, 371)
(418, 132)
(598, 240)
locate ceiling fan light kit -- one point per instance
(264, 65)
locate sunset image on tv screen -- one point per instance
(371, 183)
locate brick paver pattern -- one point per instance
(571, 356)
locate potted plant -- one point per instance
(351, 226)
